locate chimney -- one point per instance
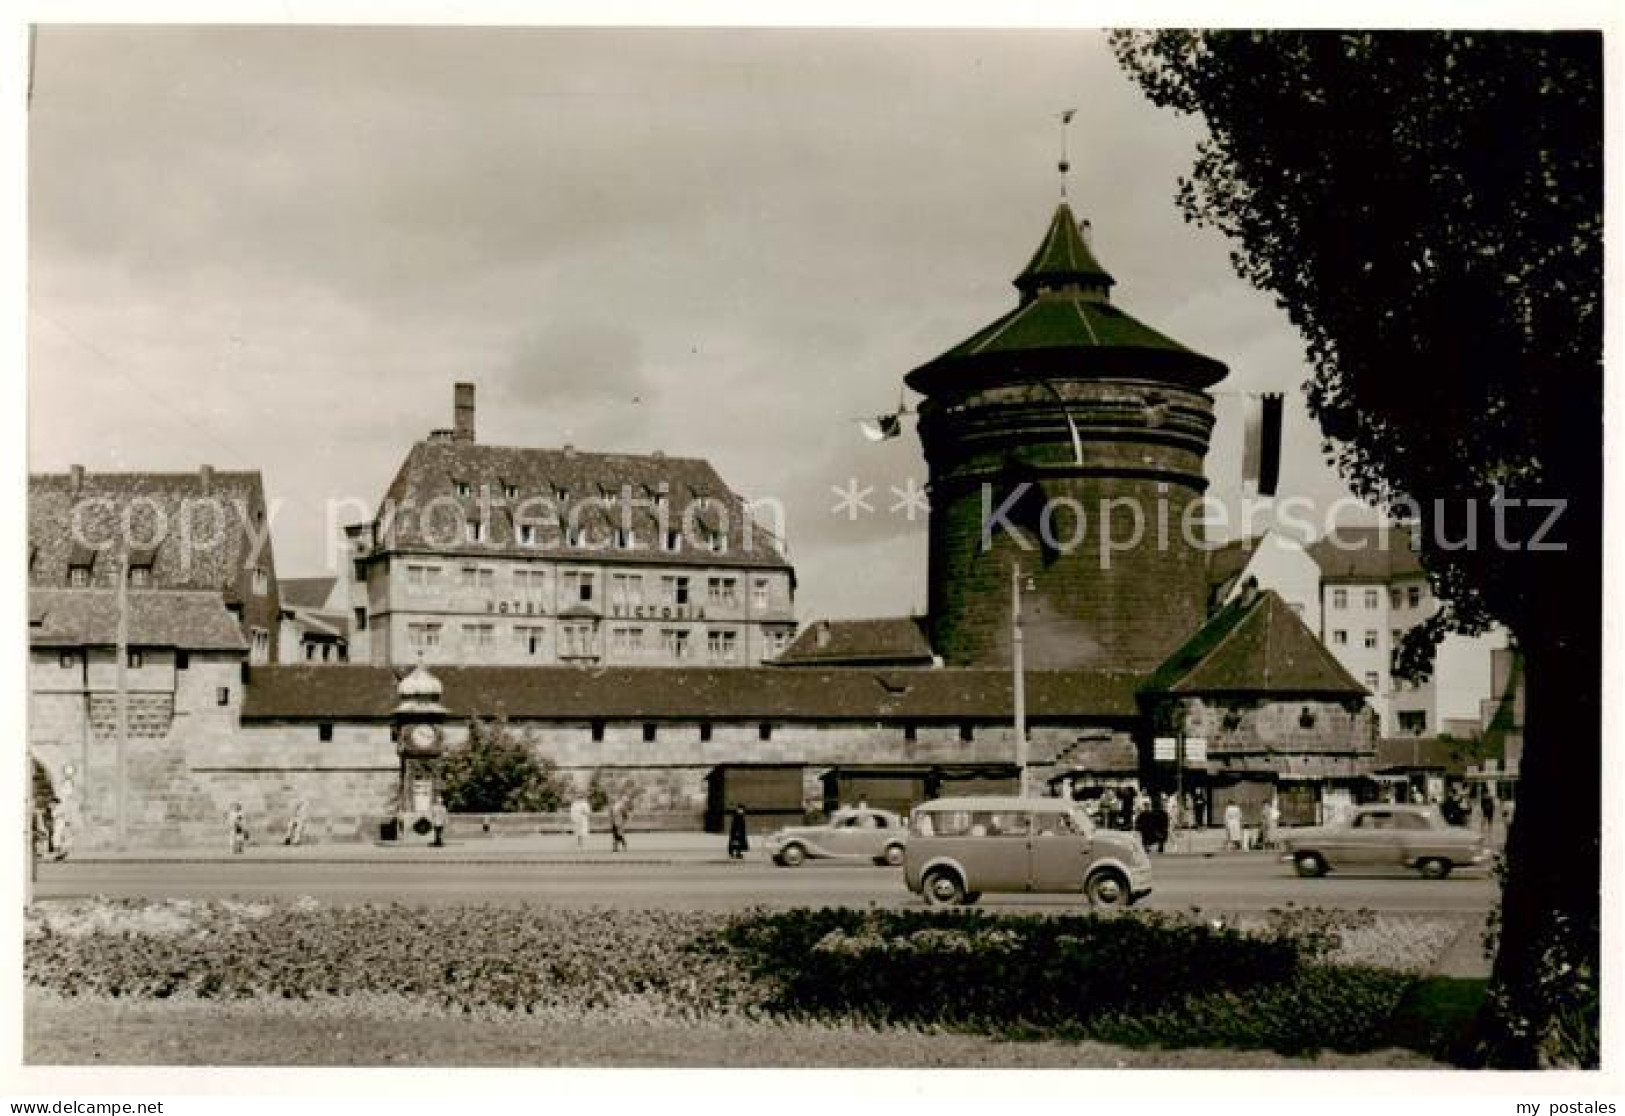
(463, 413)
(823, 633)
(76, 478)
(205, 476)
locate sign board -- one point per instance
(1165, 749)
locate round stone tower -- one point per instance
(1066, 439)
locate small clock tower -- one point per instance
(420, 742)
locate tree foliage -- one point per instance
(498, 772)
(1427, 210)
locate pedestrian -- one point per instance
(296, 825)
(1233, 838)
(237, 824)
(437, 818)
(617, 824)
(581, 820)
(738, 839)
(1147, 826)
(61, 832)
(1269, 818)
(1108, 808)
(1486, 808)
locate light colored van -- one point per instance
(959, 848)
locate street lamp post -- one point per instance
(1020, 680)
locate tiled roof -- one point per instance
(1254, 646)
(195, 621)
(892, 639)
(1366, 554)
(305, 592)
(549, 485)
(332, 625)
(1422, 753)
(742, 693)
(1065, 324)
(199, 531)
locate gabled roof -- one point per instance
(898, 640)
(442, 484)
(1254, 645)
(305, 592)
(195, 530)
(193, 621)
(339, 692)
(1065, 324)
(1367, 554)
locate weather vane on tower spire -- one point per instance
(1064, 165)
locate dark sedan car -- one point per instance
(859, 833)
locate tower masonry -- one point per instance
(1065, 441)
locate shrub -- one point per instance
(497, 772)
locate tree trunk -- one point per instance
(1542, 1010)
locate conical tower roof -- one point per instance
(1063, 258)
(1065, 326)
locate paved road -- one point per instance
(1220, 883)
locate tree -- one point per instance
(1427, 209)
(497, 772)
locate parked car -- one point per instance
(857, 833)
(959, 848)
(1386, 837)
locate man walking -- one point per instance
(617, 824)
(581, 821)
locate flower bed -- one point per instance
(1149, 979)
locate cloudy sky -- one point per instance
(277, 248)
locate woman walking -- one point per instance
(738, 841)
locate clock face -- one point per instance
(422, 735)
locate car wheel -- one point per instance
(1434, 868)
(1107, 889)
(792, 855)
(942, 888)
(1309, 865)
(893, 856)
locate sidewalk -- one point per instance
(550, 848)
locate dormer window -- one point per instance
(462, 488)
(510, 491)
(140, 577)
(527, 534)
(476, 531)
(79, 576)
(262, 581)
(673, 541)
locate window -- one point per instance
(722, 591)
(527, 534)
(423, 635)
(69, 660)
(420, 578)
(705, 732)
(1340, 638)
(1396, 598)
(324, 732)
(778, 639)
(183, 660)
(310, 651)
(1413, 596)
(967, 733)
(478, 635)
(578, 642)
(476, 577)
(78, 576)
(1340, 598)
(648, 732)
(530, 582)
(476, 530)
(1373, 598)
(1396, 635)
(529, 638)
(141, 577)
(627, 642)
(222, 695)
(1371, 680)
(1370, 639)
(722, 645)
(674, 641)
(626, 589)
(262, 581)
(764, 731)
(462, 488)
(510, 492)
(674, 590)
(911, 732)
(758, 593)
(578, 586)
(1413, 721)
(672, 542)
(598, 732)
(717, 542)
(261, 645)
